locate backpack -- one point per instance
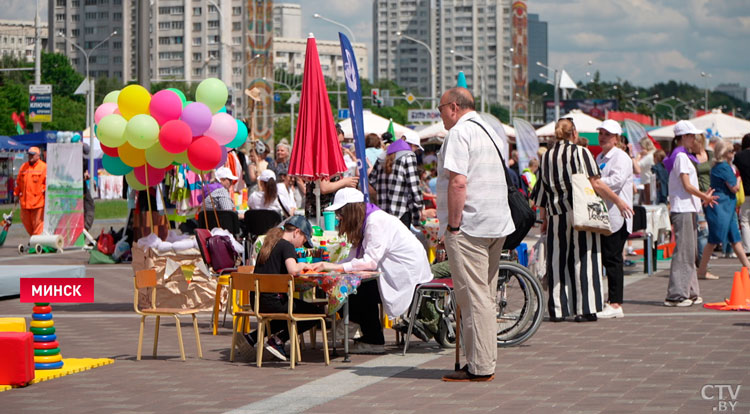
(223, 256)
(106, 243)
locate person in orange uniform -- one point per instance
(30, 188)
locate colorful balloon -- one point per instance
(103, 110)
(180, 94)
(111, 130)
(111, 97)
(115, 166)
(154, 175)
(223, 128)
(204, 153)
(142, 131)
(212, 92)
(165, 106)
(131, 156)
(112, 152)
(223, 160)
(182, 157)
(133, 182)
(133, 100)
(175, 136)
(157, 157)
(198, 116)
(241, 136)
(222, 110)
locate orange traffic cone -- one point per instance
(738, 300)
(746, 283)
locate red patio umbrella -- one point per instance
(316, 153)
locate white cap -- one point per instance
(685, 127)
(412, 138)
(611, 126)
(345, 196)
(224, 172)
(267, 175)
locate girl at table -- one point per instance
(379, 242)
(278, 256)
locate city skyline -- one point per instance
(639, 41)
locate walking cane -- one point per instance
(457, 367)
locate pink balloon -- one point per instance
(175, 136)
(224, 155)
(103, 110)
(117, 111)
(155, 175)
(204, 153)
(165, 106)
(223, 128)
(197, 116)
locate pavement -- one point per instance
(656, 359)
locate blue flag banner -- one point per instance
(354, 95)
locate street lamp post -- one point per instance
(481, 76)
(510, 69)
(221, 40)
(291, 105)
(89, 102)
(433, 76)
(556, 85)
(318, 16)
(705, 76)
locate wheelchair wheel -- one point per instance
(446, 335)
(519, 305)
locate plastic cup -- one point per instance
(329, 218)
(317, 231)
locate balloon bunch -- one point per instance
(143, 135)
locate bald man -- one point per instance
(474, 217)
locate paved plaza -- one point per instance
(656, 359)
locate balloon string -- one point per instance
(148, 198)
(203, 204)
(161, 194)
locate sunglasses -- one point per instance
(440, 107)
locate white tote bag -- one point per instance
(589, 210)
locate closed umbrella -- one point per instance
(316, 153)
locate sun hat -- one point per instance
(685, 127)
(344, 197)
(267, 175)
(412, 138)
(303, 225)
(225, 172)
(611, 126)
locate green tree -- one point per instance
(281, 129)
(57, 71)
(67, 114)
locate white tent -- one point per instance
(375, 124)
(438, 130)
(716, 124)
(582, 121)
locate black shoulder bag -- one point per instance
(522, 215)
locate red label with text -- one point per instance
(57, 289)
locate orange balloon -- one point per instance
(131, 156)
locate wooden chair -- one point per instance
(145, 279)
(259, 283)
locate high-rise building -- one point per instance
(17, 38)
(538, 51)
(477, 31)
(733, 89)
(287, 20)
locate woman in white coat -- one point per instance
(379, 242)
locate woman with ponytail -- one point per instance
(267, 196)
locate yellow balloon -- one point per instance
(131, 156)
(133, 182)
(133, 100)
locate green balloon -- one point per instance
(158, 157)
(111, 97)
(241, 136)
(182, 157)
(223, 109)
(133, 182)
(142, 131)
(180, 94)
(111, 130)
(115, 166)
(212, 92)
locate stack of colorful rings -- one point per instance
(46, 348)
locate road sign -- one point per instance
(410, 98)
(40, 103)
(276, 97)
(343, 113)
(293, 99)
(422, 115)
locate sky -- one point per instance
(641, 41)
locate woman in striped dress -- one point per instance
(573, 257)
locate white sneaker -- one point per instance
(354, 331)
(678, 303)
(697, 300)
(610, 312)
(365, 348)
